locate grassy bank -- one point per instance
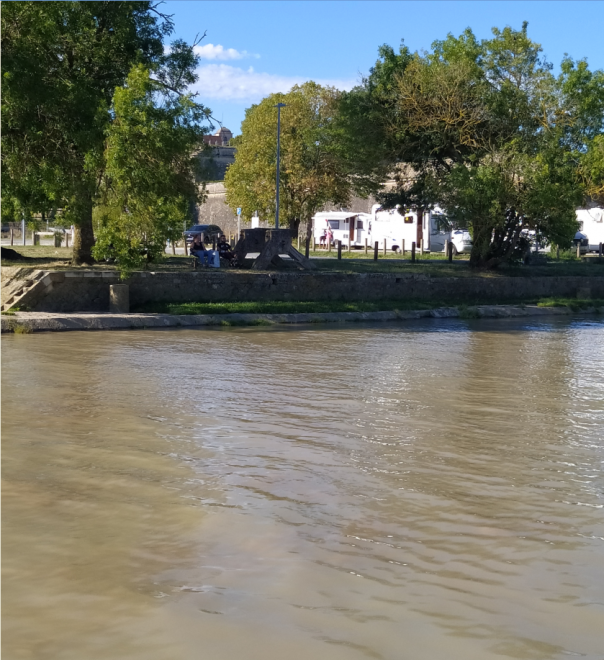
(434, 265)
(326, 307)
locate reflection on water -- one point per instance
(429, 491)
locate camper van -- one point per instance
(591, 229)
(348, 227)
(393, 226)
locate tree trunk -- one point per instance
(294, 225)
(83, 239)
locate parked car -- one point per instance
(462, 241)
(210, 233)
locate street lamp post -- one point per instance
(278, 106)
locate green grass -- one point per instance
(19, 328)
(253, 322)
(576, 304)
(442, 268)
(466, 312)
(433, 265)
(286, 307)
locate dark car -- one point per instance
(210, 233)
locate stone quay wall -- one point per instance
(89, 291)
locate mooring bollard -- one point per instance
(403, 247)
(446, 249)
(366, 247)
(579, 250)
(185, 244)
(314, 244)
(307, 248)
(35, 238)
(339, 249)
(119, 298)
(298, 242)
(384, 247)
(450, 254)
(376, 247)
(66, 239)
(421, 246)
(413, 251)
(12, 236)
(349, 244)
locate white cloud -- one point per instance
(218, 52)
(230, 83)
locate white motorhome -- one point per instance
(346, 226)
(591, 229)
(393, 226)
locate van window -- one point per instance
(334, 224)
(359, 224)
(441, 223)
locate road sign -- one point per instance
(239, 210)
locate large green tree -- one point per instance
(151, 169)
(485, 130)
(61, 62)
(316, 164)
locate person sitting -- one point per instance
(226, 252)
(198, 249)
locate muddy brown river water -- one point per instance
(429, 491)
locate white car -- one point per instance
(462, 241)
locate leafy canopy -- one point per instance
(316, 164)
(486, 131)
(61, 64)
(150, 173)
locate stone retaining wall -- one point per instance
(89, 291)
(54, 322)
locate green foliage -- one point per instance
(316, 164)
(592, 169)
(487, 132)
(61, 62)
(150, 173)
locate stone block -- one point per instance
(119, 298)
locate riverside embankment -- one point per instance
(27, 322)
(88, 291)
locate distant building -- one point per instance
(218, 155)
(221, 138)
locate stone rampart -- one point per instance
(89, 291)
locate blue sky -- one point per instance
(253, 49)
